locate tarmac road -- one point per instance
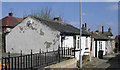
(111, 63)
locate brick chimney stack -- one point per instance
(86, 26)
(89, 30)
(24, 17)
(11, 14)
(109, 30)
(83, 26)
(102, 29)
(57, 19)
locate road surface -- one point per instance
(111, 63)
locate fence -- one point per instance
(36, 60)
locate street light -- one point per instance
(80, 55)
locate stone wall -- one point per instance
(112, 47)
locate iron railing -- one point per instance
(36, 60)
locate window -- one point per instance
(78, 43)
(100, 45)
(62, 39)
(86, 44)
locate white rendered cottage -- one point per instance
(110, 42)
(37, 33)
(99, 43)
(72, 40)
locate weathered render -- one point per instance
(32, 34)
(7, 24)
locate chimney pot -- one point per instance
(89, 30)
(102, 29)
(97, 31)
(83, 26)
(109, 30)
(86, 26)
(57, 19)
(11, 14)
(24, 17)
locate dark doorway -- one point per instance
(95, 48)
(74, 37)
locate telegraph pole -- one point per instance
(91, 46)
(80, 55)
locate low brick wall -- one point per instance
(71, 63)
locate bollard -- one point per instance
(8, 67)
(0, 65)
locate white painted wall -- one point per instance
(77, 55)
(103, 47)
(84, 43)
(68, 42)
(88, 44)
(37, 36)
(93, 48)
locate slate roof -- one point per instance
(99, 36)
(10, 21)
(62, 27)
(107, 33)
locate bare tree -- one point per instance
(45, 13)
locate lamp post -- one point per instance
(80, 55)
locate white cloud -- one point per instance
(113, 7)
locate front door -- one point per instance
(95, 48)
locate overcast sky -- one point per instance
(95, 14)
